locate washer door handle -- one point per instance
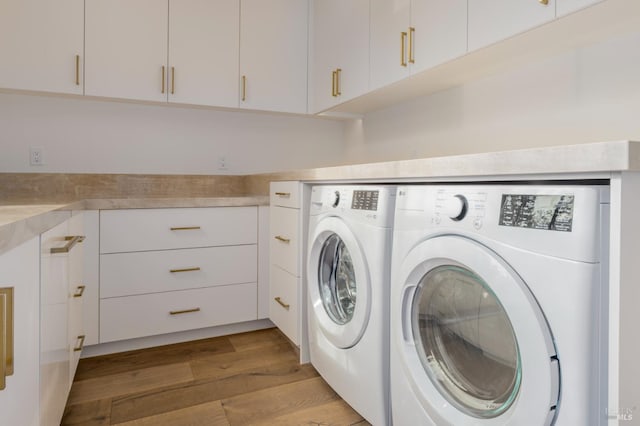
(405, 319)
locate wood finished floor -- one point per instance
(243, 379)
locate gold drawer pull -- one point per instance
(77, 70)
(197, 268)
(79, 292)
(545, 2)
(185, 311)
(162, 89)
(412, 33)
(79, 347)
(184, 228)
(71, 242)
(281, 303)
(283, 194)
(283, 239)
(6, 334)
(403, 43)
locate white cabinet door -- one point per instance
(494, 20)
(203, 52)
(19, 268)
(339, 41)
(40, 44)
(564, 7)
(126, 49)
(273, 55)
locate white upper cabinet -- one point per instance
(339, 45)
(203, 52)
(494, 20)
(273, 55)
(408, 36)
(564, 7)
(126, 49)
(41, 45)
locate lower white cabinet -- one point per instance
(284, 304)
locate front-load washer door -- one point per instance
(475, 344)
(338, 280)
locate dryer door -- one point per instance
(475, 344)
(338, 280)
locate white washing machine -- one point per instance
(499, 305)
(348, 270)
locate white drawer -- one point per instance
(159, 229)
(284, 238)
(285, 194)
(284, 288)
(150, 314)
(123, 274)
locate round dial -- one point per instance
(456, 207)
(336, 199)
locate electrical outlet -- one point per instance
(36, 156)
(222, 163)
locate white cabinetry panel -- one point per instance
(564, 7)
(285, 243)
(283, 307)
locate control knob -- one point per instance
(455, 207)
(336, 199)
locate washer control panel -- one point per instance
(365, 200)
(454, 206)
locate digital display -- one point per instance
(365, 200)
(549, 212)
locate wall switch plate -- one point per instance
(36, 156)
(222, 163)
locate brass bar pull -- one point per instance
(333, 83)
(185, 311)
(173, 80)
(338, 72)
(79, 347)
(77, 70)
(281, 303)
(403, 53)
(244, 88)
(6, 334)
(283, 194)
(173, 271)
(71, 242)
(283, 239)
(412, 34)
(79, 291)
(544, 2)
(184, 228)
(162, 90)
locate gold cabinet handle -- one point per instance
(173, 271)
(77, 70)
(403, 53)
(79, 291)
(184, 311)
(544, 2)
(71, 242)
(333, 84)
(338, 73)
(184, 228)
(244, 88)
(162, 89)
(80, 345)
(283, 194)
(281, 303)
(6, 334)
(412, 33)
(283, 239)
(173, 80)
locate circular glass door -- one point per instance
(337, 280)
(465, 341)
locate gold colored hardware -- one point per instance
(184, 228)
(333, 83)
(244, 88)
(544, 2)
(283, 194)
(403, 53)
(79, 347)
(281, 303)
(338, 72)
(6, 334)
(185, 311)
(71, 242)
(77, 70)
(412, 33)
(80, 291)
(162, 91)
(283, 239)
(197, 268)
(173, 80)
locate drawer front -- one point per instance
(150, 314)
(161, 229)
(284, 238)
(125, 274)
(284, 286)
(285, 194)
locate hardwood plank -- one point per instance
(161, 355)
(209, 414)
(93, 413)
(130, 382)
(333, 413)
(256, 339)
(223, 365)
(190, 394)
(267, 404)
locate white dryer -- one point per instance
(348, 270)
(499, 305)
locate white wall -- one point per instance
(93, 136)
(587, 95)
